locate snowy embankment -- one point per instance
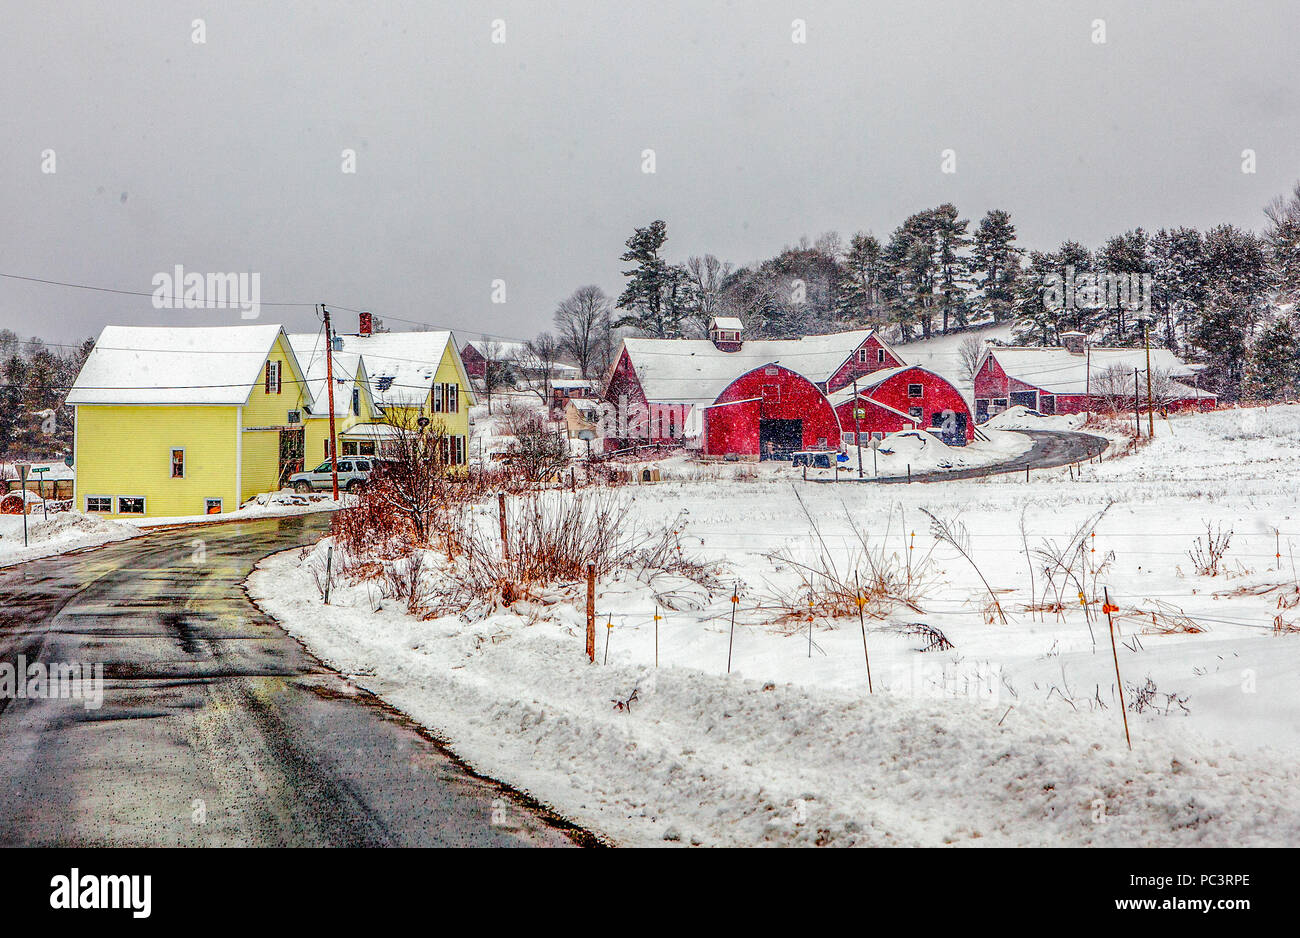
(1013, 735)
(63, 532)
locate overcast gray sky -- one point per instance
(521, 161)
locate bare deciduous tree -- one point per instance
(535, 363)
(969, 353)
(583, 323)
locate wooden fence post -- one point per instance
(1118, 680)
(501, 515)
(591, 613)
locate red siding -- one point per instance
(784, 395)
(855, 369)
(938, 396)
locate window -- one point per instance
(862, 356)
(438, 397)
(356, 402)
(343, 467)
(212, 506)
(770, 370)
(846, 437)
(879, 434)
(178, 464)
(271, 381)
(130, 504)
(453, 398)
(914, 412)
(999, 402)
(363, 465)
(915, 390)
(366, 448)
(99, 503)
(864, 437)
(880, 356)
(323, 467)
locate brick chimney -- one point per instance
(365, 322)
(1076, 343)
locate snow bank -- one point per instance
(65, 531)
(1022, 418)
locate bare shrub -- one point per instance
(538, 452)
(1207, 553)
(954, 534)
(403, 579)
(933, 638)
(869, 572)
(1149, 698)
(1166, 619)
(552, 537)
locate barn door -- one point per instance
(293, 447)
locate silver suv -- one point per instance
(354, 472)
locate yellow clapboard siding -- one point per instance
(125, 450)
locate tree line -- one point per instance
(35, 423)
(1224, 297)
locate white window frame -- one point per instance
(918, 395)
(144, 505)
(847, 437)
(880, 356)
(273, 376)
(107, 511)
(453, 398)
(171, 456)
(920, 416)
(221, 505)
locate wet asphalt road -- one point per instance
(1051, 448)
(217, 728)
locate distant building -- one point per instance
(1069, 378)
(754, 398)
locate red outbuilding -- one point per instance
(769, 412)
(905, 398)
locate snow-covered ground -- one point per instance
(64, 531)
(1012, 736)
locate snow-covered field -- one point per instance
(1012, 736)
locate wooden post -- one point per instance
(1137, 408)
(909, 473)
(329, 563)
(862, 624)
(591, 613)
(657, 618)
(1151, 420)
(501, 515)
(1115, 653)
(735, 599)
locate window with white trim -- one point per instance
(212, 506)
(99, 503)
(880, 356)
(130, 504)
(453, 398)
(178, 463)
(914, 412)
(916, 390)
(271, 380)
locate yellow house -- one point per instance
(186, 421)
(412, 375)
(354, 403)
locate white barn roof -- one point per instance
(214, 365)
(1058, 371)
(401, 365)
(695, 371)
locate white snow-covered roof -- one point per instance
(1058, 371)
(401, 365)
(309, 348)
(728, 323)
(174, 365)
(692, 371)
(868, 383)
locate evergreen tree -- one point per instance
(1178, 281)
(998, 262)
(656, 292)
(1273, 371)
(951, 267)
(1283, 239)
(861, 285)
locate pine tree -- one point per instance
(952, 270)
(861, 286)
(656, 293)
(1273, 371)
(1283, 238)
(998, 262)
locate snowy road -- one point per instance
(1051, 448)
(216, 728)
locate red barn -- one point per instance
(669, 387)
(1071, 378)
(768, 413)
(904, 398)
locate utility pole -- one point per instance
(1137, 406)
(857, 430)
(1146, 338)
(329, 381)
